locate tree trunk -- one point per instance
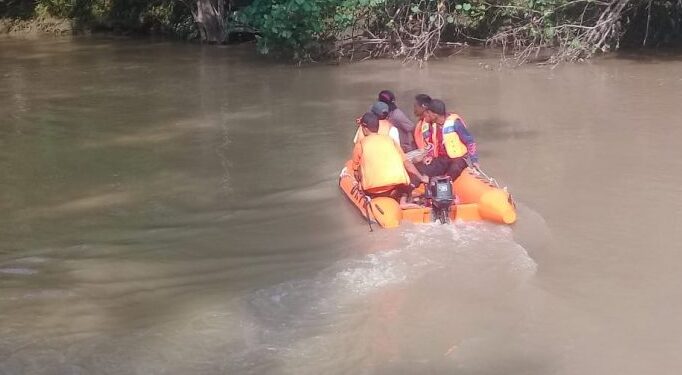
(210, 18)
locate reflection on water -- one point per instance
(173, 208)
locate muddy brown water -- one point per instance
(173, 209)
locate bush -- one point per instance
(296, 28)
(411, 29)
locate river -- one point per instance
(170, 208)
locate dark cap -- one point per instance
(370, 121)
(436, 106)
(386, 96)
(380, 109)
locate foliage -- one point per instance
(410, 29)
(163, 16)
(300, 28)
(415, 29)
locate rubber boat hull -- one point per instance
(478, 200)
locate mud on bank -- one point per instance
(37, 26)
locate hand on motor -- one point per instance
(424, 179)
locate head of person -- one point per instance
(435, 112)
(369, 123)
(380, 109)
(388, 97)
(421, 103)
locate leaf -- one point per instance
(432, 18)
(415, 9)
(451, 19)
(458, 6)
(466, 6)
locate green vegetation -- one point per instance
(415, 29)
(128, 16)
(411, 29)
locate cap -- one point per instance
(386, 96)
(380, 109)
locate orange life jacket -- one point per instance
(384, 127)
(381, 164)
(418, 134)
(454, 147)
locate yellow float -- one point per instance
(479, 198)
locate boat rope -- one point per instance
(368, 201)
(491, 181)
(358, 193)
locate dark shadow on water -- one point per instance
(647, 56)
(494, 129)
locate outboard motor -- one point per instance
(439, 191)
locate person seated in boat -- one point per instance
(421, 103)
(380, 109)
(398, 119)
(450, 142)
(380, 165)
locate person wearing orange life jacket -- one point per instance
(449, 139)
(421, 103)
(380, 165)
(385, 127)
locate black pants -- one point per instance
(395, 193)
(441, 166)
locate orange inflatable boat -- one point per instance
(478, 199)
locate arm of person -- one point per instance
(356, 137)
(356, 159)
(399, 119)
(410, 168)
(467, 139)
(395, 135)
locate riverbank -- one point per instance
(36, 26)
(328, 30)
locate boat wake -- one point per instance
(413, 299)
(303, 325)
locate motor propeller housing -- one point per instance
(439, 191)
